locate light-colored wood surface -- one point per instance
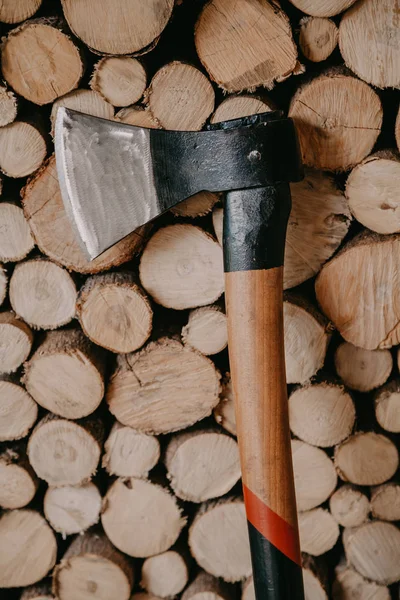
(322, 8)
(207, 587)
(318, 530)
(18, 412)
(3, 284)
(349, 506)
(206, 330)
(22, 149)
(224, 412)
(314, 475)
(14, 12)
(121, 80)
(8, 105)
(130, 453)
(318, 38)
(242, 105)
(16, 240)
(165, 575)
(387, 406)
(16, 340)
(86, 101)
(72, 509)
(198, 205)
(362, 370)
(350, 585)
(18, 482)
(385, 502)
(138, 116)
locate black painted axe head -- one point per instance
(115, 177)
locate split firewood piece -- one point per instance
(366, 459)
(141, 518)
(322, 414)
(72, 509)
(180, 97)
(318, 531)
(198, 205)
(387, 406)
(115, 312)
(350, 585)
(66, 374)
(14, 12)
(231, 44)
(39, 591)
(349, 302)
(165, 575)
(207, 587)
(137, 115)
(360, 369)
(237, 106)
(130, 453)
(366, 45)
(322, 8)
(30, 551)
(372, 192)
(182, 267)
(131, 26)
(349, 506)
(162, 388)
(314, 475)
(318, 38)
(218, 222)
(224, 412)
(206, 330)
(16, 340)
(40, 62)
(202, 465)
(18, 412)
(8, 105)
(43, 294)
(65, 452)
(3, 284)
(18, 482)
(91, 566)
(385, 502)
(334, 133)
(120, 80)
(306, 339)
(374, 550)
(44, 209)
(16, 240)
(22, 149)
(218, 540)
(86, 101)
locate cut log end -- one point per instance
(138, 116)
(14, 12)
(349, 506)
(206, 330)
(350, 585)
(16, 340)
(85, 101)
(322, 8)
(224, 412)
(244, 105)
(385, 502)
(314, 475)
(318, 38)
(130, 453)
(16, 240)
(362, 370)
(318, 531)
(164, 575)
(207, 587)
(120, 80)
(3, 284)
(8, 105)
(198, 205)
(18, 483)
(387, 406)
(22, 149)
(72, 509)
(18, 411)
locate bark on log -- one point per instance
(141, 518)
(387, 406)
(16, 240)
(224, 412)
(120, 80)
(165, 575)
(231, 44)
(334, 133)
(349, 506)
(72, 509)
(30, 551)
(114, 312)
(162, 388)
(39, 591)
(8, 104)
(22, 149)
(86, 101)
(14, 12)
(49, 223)
(206, 330)
(16, 340)
(3, 284)
(18, 482)
(43, 294)
(66, 374)
(137, 115)
(362, 370)
(198, 205)
(322, 8)
(130, 453)
(318, 530)
(205, 586)
(385, 502)
(318, 38)
(237, 106)
(18, 411)
(314, 475)
(350, 585)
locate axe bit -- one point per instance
(115, 177)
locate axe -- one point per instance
(115, 177)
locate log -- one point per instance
(366, 459)
(115, 312)
(373, 549)
(16, 342)
(162, 388)
(397, 130)
(144, 596)
(322, 8)
(349, 506)
(248, 592)
(131, 26)
(16, 240)
(65, 452)
(130, 453)
(18, 411)
(318, 531)
(30, 551)
(306, 336)
(322, 414)
(349, 302)
(72, 509)
(231, 44)
(141, 518)
(334, 133)
(22, 149)
(8, 105)
(40, 62)
(315, 578)
(206, 330)
(362, 370)
(66, 374)
(198, 205)
(387, 406)
(202, 465)
(180, 97)
(369, 41)
(318, 38)
(43, 294)
(120, 80)
(39, 591)
(218, 540)
(224, 412)
(14, 12)
(243, 105)
(91, 566)
(218, 221)
(205, 587)
(86, 101)
(314, 475)
(385, 502)
(137, 115)
(3, 284)
(165, 575)
(44, 210)
(182, 267)
(350, 585)
(18, 482)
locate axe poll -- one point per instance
(115, 177)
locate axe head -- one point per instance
(116, 177)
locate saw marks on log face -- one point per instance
(72, 509)
(130, 453)
(137, 115)
(15, 12)
(163, 388)
(85, 101)
(387, 406)
(349, 507)
(314, 475)
(40, 62)
(22, 149)
(206, 330)
(18, 482)
(318, 38)
(243, 48)
(235, 107)
(318, 531)
(362, 370)
(121, 80)
(322, 8)
(164, 575)
(16, 239)
(385, 502)
(16, 340)
(18, 411)
(350, 585)
(334, 133)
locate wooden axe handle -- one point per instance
(254, 237)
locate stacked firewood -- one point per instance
(119, 467)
